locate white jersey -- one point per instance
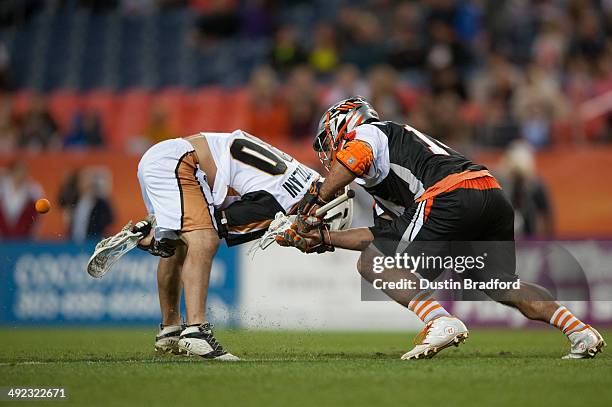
(247, 164)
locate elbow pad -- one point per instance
(356, 156)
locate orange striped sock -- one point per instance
(566, 321)
(425, 307)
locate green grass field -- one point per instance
(118, 367)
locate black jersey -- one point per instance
(415, 163)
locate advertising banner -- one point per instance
(278, 288)
(47, 283)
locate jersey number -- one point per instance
(256, 153)
(434, 146)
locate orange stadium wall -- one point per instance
(51, 169)
(577, 180)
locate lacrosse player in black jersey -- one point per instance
(427, 197)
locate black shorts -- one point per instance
(248, 218)
(460, 224)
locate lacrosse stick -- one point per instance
(349, 194)
(111, 249)
(283, 222)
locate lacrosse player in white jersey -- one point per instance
(199, 190)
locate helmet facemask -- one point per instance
(325, 144)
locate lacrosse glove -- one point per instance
(306, 242)
(311, 199)
(143, 228)
(306, 219)
(161, 248)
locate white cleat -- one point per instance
(438, 334)
(585, 344)
(166, 340)
(200, 341)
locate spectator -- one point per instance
(346, 24)
(69, 194)
(6, 83)
(219, 20)
(38, 128)
(406, 46)
(302, 103)
(18, 193)
(346, 84)
(589, 39)
(550, 47)
(447, 59)
(382, 81)
(447, 124)
(287, 53)
(445, 50)
(497, 79)
(499, 127)
(367, 48)
(257, 18)
(537, 102)
(268, 117)
(579, 85)
(86, 131)
(406, 50)
(323, 56)
(158, 128)
(88, 211)
(8, 129)
(528, 194)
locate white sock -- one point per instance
(169, 328)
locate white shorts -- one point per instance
(175, 189)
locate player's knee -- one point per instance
(202, 241)
(364, 268)
(200, 236)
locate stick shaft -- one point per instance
(335, 202)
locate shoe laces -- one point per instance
(420, 338)
(209, 337)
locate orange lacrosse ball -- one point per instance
(42, 205)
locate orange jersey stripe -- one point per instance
(428, 208)
(251, 227)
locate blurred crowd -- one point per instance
(514, 74)
(37, 130)
(473, 73)
(480, 73)
(83, 199)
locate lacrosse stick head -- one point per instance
(340, 217)
(278, 226)
(108, 251)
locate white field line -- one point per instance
(190, 360)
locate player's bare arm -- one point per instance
(350, 239)
(338, 178)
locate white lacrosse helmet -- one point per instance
(340, 217)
